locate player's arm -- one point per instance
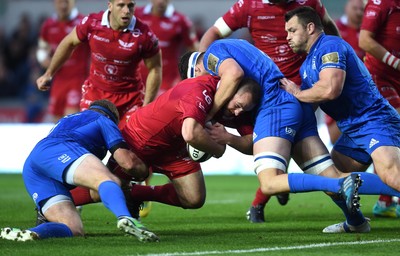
(328, 87)
(195, 135)
(368, 43)
(243, 144)
(330, 27)
(231, 74)
(131, 164)
(154, 77)
(218, 31)
(61, 55)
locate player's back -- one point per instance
(159, 124)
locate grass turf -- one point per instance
(218, 228)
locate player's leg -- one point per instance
(90, 172)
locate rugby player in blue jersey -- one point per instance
(338, 81)
(284, 127)
(71, 156)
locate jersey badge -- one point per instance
(332, 57)
(212, 61)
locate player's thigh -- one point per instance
(387, 162)
(89, 171)
(191, 189)
(347, 164)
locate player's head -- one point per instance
(106, 108)
(354, 11)
(121, 13)
(191, 65)
(246, 98)
(63, 8)
(159, 7)
(303, 26)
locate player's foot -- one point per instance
(283, 198)
(132, 226)
(381, 210)
(256, 214)
(349, 191)
(40, 219)
(343, 227)
(145, 209)
(17, 234)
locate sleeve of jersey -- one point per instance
(111, 134)
(43, 30)
(374, 17)
(197, 111)
(150, 45)
(236, 17)
(331, 54)
(82, 29)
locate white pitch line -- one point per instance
(274, 248)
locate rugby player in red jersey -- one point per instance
(118, 42)
(380, 37)
(66, 86)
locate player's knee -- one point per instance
(194, 202)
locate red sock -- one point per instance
(386, 199)
(81, 196)
(260, 198)
(163, 194)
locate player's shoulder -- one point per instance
(380, 5)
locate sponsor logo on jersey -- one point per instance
(102, 39)
(332, 57)
(212, 61)
(110, 69)
(136, 32)
(266, 17)
(125, 44)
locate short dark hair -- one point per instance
(106, 108)
(306, 15)
(250, 85)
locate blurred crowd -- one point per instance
(19, 99)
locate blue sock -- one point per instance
(113, 198)
(353, 219)
(373, 185)
(300, 182)
(52, 230)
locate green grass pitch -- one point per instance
(218, 228)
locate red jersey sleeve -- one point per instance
(374, 16)
(236, 17)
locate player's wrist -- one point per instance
(391, 60)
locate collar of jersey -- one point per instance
(105, 22)
(168, 12)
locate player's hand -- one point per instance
(289, 86)
(218, 133)
(43, 82)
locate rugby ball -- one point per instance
(197, 155)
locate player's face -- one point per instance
(297, 35)
(355, 11)
(241, 102)
(121, 13)
(200, 70)
(159, 6)
(63, 8)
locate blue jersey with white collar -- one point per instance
(255, 64)
(360, 100)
